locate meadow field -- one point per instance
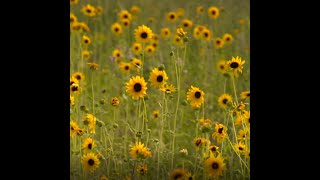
(159, 89)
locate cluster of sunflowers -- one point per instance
(167, 117)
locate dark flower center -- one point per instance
(248, 95)
(227, 38)
(126, 67)
(71, 82)
(171, 16)
(190, 178)
(206, 34)
(156, 115)
(234, 65)
(137, 87)
(197, 94)
(154, 44)
(166, 32)
(125, 16)
(89, 10)
(125, 23)
(78, 77)
(220, 130)
(116, 29)
(213, 12)
(213, 149)
(240, 148)
(91, 162)
(218, 42)
(149, 50)
(160, 78)
(224, 101)
(90, 146)
(215, 165)
(136, 48)
(86, 41)
(177, 176)
(144, 35)
(72, 128)
(221, 66)
(185, 24)
(118, 55)
(198, 142)
(74, 88)
(177, 39)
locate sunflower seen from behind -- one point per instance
(214, 165)
(90, 162)
(195, 96)
(136, 87)
(143, 34)
(158, 78)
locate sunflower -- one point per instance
(136, 48)
(245, 95)
(71, 100)
(168, 89)
(90, 120)
(151, 20)
(155, 38)
(139, 151)
(84, 27)
(143, 34)
(180, 32)
(195, 96)
(73, 18)
(240, 147)
(197, 31)
(89, 10)
(135, 10)
(158, 78)
(235, 65)
(116, 29)
(75, 88)
(86, 40)
(80, 132)
(180, 12)
(199, 142)
(200, 10)
(136, 64)
(171, 17)
(222, 66)
(125, 67)
(213, 12)
(213, 149)
(86, 54)
(224, 99)
(103, 177)
(186, 24)
(156, 114)
(243, 117)
(88, 145)
(243, 134)
(124, 14)
(177, 40)
(78, 76)
(165, 33)
(76, 27)
(90, 162)
(115, 101)
(136, 87)
(220, 132)
(73, 80)
(118, 54)
(74, 2)
(99, 10)
(214, 165)
(205, 125)
(155, 45)
(125, 22)
(92, 65)
(218, 43)
(149, 50)
(236, 31)
(189, 176)
(227, 38)
(177, 174)
(142, 169)
(206, 34)
(73, 128)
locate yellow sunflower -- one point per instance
(89, 10)
(115, 101)
(222, 66)
(90, 120)
(214, 165)
(156, 114)
(200, 10)
(73, 18)
(84, 27)
(149, 49)
(227, 38)
(177, 40)
(245, 95)
(74, 2)
(136, 64)
(71, 100)
(200, 142)
(195, 96)
(240, 147)
(158, 78)
(139, 151)
(143, 34)
(243, 134)
(206, 34)
(88, 145)
(125, 67)
(180, 12)
(118, 54)
(213, 12)
(223, 100)
(165, 33)
(90, 162)
(142, 169)
(73, 128)
(136, 87)
(186, 24)
(235, 65)
(75, 89)
(73, 80)
(86, 40)
(135, 10)
(124, 14)
(243, 117)
(197, 31)
(116, 29)
(168, 89)
(103, 177)
(99, 10)
(178, 174)
(171, 17)
(78, 76)
(125, 22)
(220, 133)
(93, 66)
(214, 149)
(86, 54)
(136, 48)
(218, 43)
